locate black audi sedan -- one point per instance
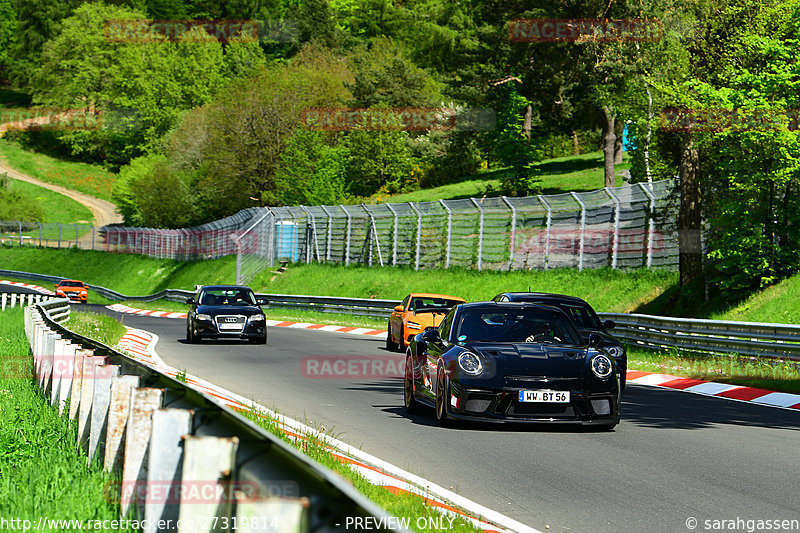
(226, 312)
(584, 317)
(511, 362)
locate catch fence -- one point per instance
(631, 226)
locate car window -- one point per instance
(237, 297)
(404, 303)
(71, 284)
(446, 326)
(431, 304)
(517, 325)
(583, 316)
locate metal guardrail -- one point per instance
(716, 336)
(216, 465)
(13, 299)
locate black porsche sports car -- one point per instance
(511, 362)
(226, 312)
(584, 318)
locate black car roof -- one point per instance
(544, 296)
(225, 287)
(507, 305)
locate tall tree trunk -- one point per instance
(619, 129)
(609, 142)
(646, 147)
(526, 126)
(576, 147)
(689, 217)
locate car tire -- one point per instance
(260, 340)
(410, 402)
(442, 388)
(191, 338)
(390, 344)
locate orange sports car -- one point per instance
(414, 314)
(73, 289)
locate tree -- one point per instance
(311, 172)
(379, 161)
(8, 23)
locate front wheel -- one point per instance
(411, 403)
(191, 338)
(442, 397)
(390, 344)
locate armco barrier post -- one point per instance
(65, 384)
(207, 460)
(290, 515)
(87, 394)
(59, 353)
(118, 413)
(47, 363)
(103, 374)
(165, 463)
(77, 382)
(137, 436)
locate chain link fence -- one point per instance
(631, 226)
(52, 235)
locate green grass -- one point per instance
(57, 207)
(607, 290)
(102, 328)
(83, 177)
(757, 372)
(779, 303)
(42, 472)
(402, 505)
(574, 173)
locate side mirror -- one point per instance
(262, 301)
(595, 340)
(609, 324)
(398, 308)
(190, 301)
(431, 334)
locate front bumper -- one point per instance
(73, 296)
(502, 405)
(208, 330)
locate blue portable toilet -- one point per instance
(288, 245)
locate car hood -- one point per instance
(246, 310)
(70, 289)
(427, 318)
(532, 359)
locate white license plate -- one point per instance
(544, 396)
(230, 326)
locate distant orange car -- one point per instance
(414, 314)
(73, 289)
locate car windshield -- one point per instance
(71, 284)
(516, 325)
(227, 297)
(582, 315)
(425, 304)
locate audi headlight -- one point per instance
(202, 316)
(470, 363)
(413, 325)
(615, 351)
(257, 318)
(601, 366)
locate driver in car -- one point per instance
(542, 333)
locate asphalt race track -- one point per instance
(674, 456)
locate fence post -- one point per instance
(615, 244)
(419, 233)
(394, 235)
(77, 235)
(548, 223)
(449, 233)
(480, 234)
(93, 235)
(313, 219)
(347, 238)
(40, 233)
(330, 233)
(651, 229)
(583, 229)
(512, 238)
(20, 232)
(374, 234)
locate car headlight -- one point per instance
(257, 318)
(615, 351)
(601, 366)
(202, 316)
(470, 363)
(413, 325)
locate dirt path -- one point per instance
(104, 212)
